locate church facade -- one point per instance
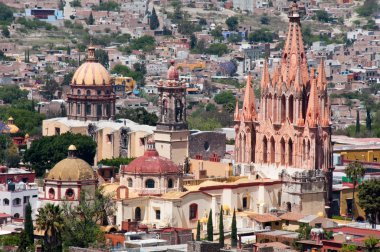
(289, 138)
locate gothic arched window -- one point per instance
(265, 150)
(291, 108)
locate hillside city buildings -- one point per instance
(275, 160)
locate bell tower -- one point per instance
(172, 134)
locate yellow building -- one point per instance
(345, 202)
(357, 149)
(124, 84)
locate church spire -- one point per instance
(294, 51)
(265, 77)
(312, 115)
(321, 80)
(249, 107)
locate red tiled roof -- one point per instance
(264, 217)
(4, 215)
(357, 231)
(291, 216)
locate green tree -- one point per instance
(357, 127)
(221, 228)
(154, 23)
(146, 43)
(12, 93)
(217, 49)
(264, 19)
(232, 23)
(50, 87)
(261, 35)
(12, 157)
(322, 16)
(224, 97)
(355, 172)
(107, 6)
(90, 20)
(138, 115)
(193, 41)
(28, 224)
(67, 78)
(198, 237)
(126, 72)
(235, 38)
(102, 57)
(368, 120)
(6, 14)
(370, 244)
(5, 32)
(233, 231)
(217, 33)
(45, 152)
(304, 231)
(349, 248)
(369, 8)
(75, 3)
(82, 222)
(369, 199)
(50, 221)
(210, 228)
(116, 162)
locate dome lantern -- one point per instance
(72, 151)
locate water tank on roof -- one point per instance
(11, 187)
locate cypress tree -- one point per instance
(198, 238)
(91, 19)
(154, 23)
(221, 228)
(28, 224)
(210, 231)
(357, 128)
(233, 231)
(368, 120)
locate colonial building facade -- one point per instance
(291, 133)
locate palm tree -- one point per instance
(354, 171)
(371, 243)
(50, 220)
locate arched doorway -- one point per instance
(138, 214)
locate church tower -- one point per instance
(290, 137)
(91, 97)
(171, 135)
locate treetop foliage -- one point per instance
(45, 152)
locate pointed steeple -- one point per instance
(293, 55)
(312, 114)
(321, 80)
(265, 77)
(237, 112)
(249, 107)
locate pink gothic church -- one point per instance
(290, 136)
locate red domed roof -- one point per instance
(150, 163)
(172, 73)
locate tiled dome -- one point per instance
(151, 163)
(91, 73)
